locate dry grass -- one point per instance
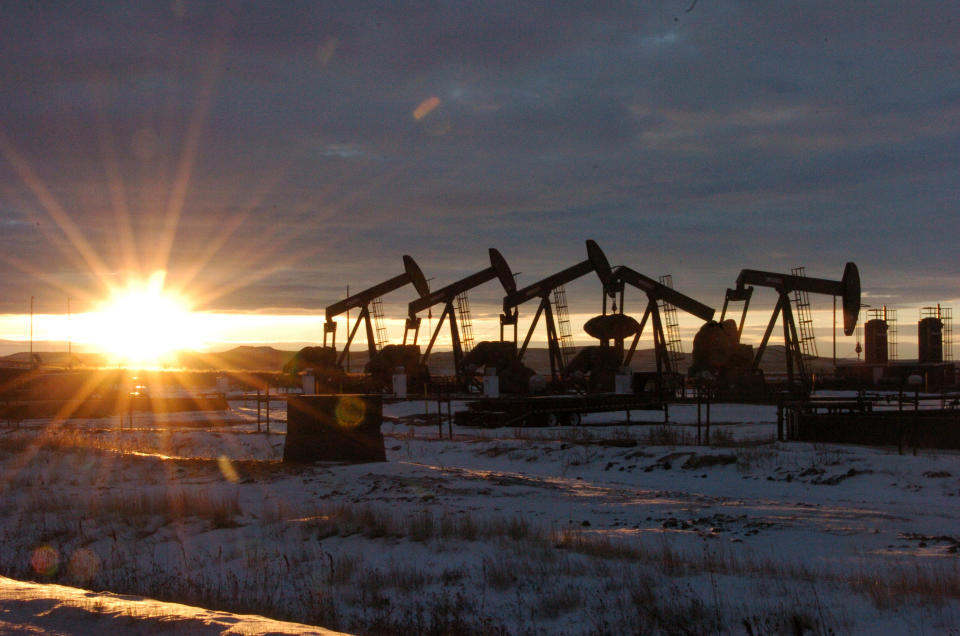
(903, 584)
(422, 526)
(666, 435)
(142, 508)
(531, 574)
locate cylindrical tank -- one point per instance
(930, 342)
(875, 341)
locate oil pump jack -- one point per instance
(656, 292)
(601, 363)
(362, 300)
(848, 288)
(596, 261)
(448, 296)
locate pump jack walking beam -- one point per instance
(412, 275)
(657, 292)
(848, 288)
(596, 261)
(447, 295)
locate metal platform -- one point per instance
(550, 410)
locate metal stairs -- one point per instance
(801, 301)
(380, 330)
(946, 314)
(562, 315)
(671, 326)
(465, 322)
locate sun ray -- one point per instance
(198, 118)
(68, 290)
(53, 207)
(115, 187)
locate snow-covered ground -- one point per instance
(602, 528)
(44, 608)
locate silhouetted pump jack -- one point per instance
(596, 262)
(362, 301)
(656, 292)
(447, 295)
(604, 361)
(848, 288)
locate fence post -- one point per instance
(439, 414)
(699, 402)
(780, 421)
(708, 421)
(449, 418)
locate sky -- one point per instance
(267, 155)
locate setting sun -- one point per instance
(144, 322)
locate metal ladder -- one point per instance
(466, 324)
(562, 316)
(671, 326)
(380, 329)
(801, 300)
(891, 318)
(946, 315)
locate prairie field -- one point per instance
(603, 528)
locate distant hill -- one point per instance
(265, 358)
(55, 359)
(242, 358)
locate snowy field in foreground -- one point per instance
(595, 529)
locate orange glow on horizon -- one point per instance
(143, 323)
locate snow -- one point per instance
(37, 608)
(600, 528)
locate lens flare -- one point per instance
(84, 564)
(350, 411)
(426, 107)
(45, 560)
(227, 469)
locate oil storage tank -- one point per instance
(930, 340)
(875, 341)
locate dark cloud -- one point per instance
(282, 145)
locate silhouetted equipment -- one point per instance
(594, 368)
(875, 342)
(612, 327)
(848, 288)
(596, 262)
(456, 292)
(719, 357)
(322, 361)
(880, 336)
(334, 428)
(391, 358)
(502, 358)
(657, 293)
(930, 339)
(804, 319)
(362, 301)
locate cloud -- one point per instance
(696, 143)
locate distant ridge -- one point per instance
(242, 358)
(266, 358)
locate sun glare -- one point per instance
(144, 323)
